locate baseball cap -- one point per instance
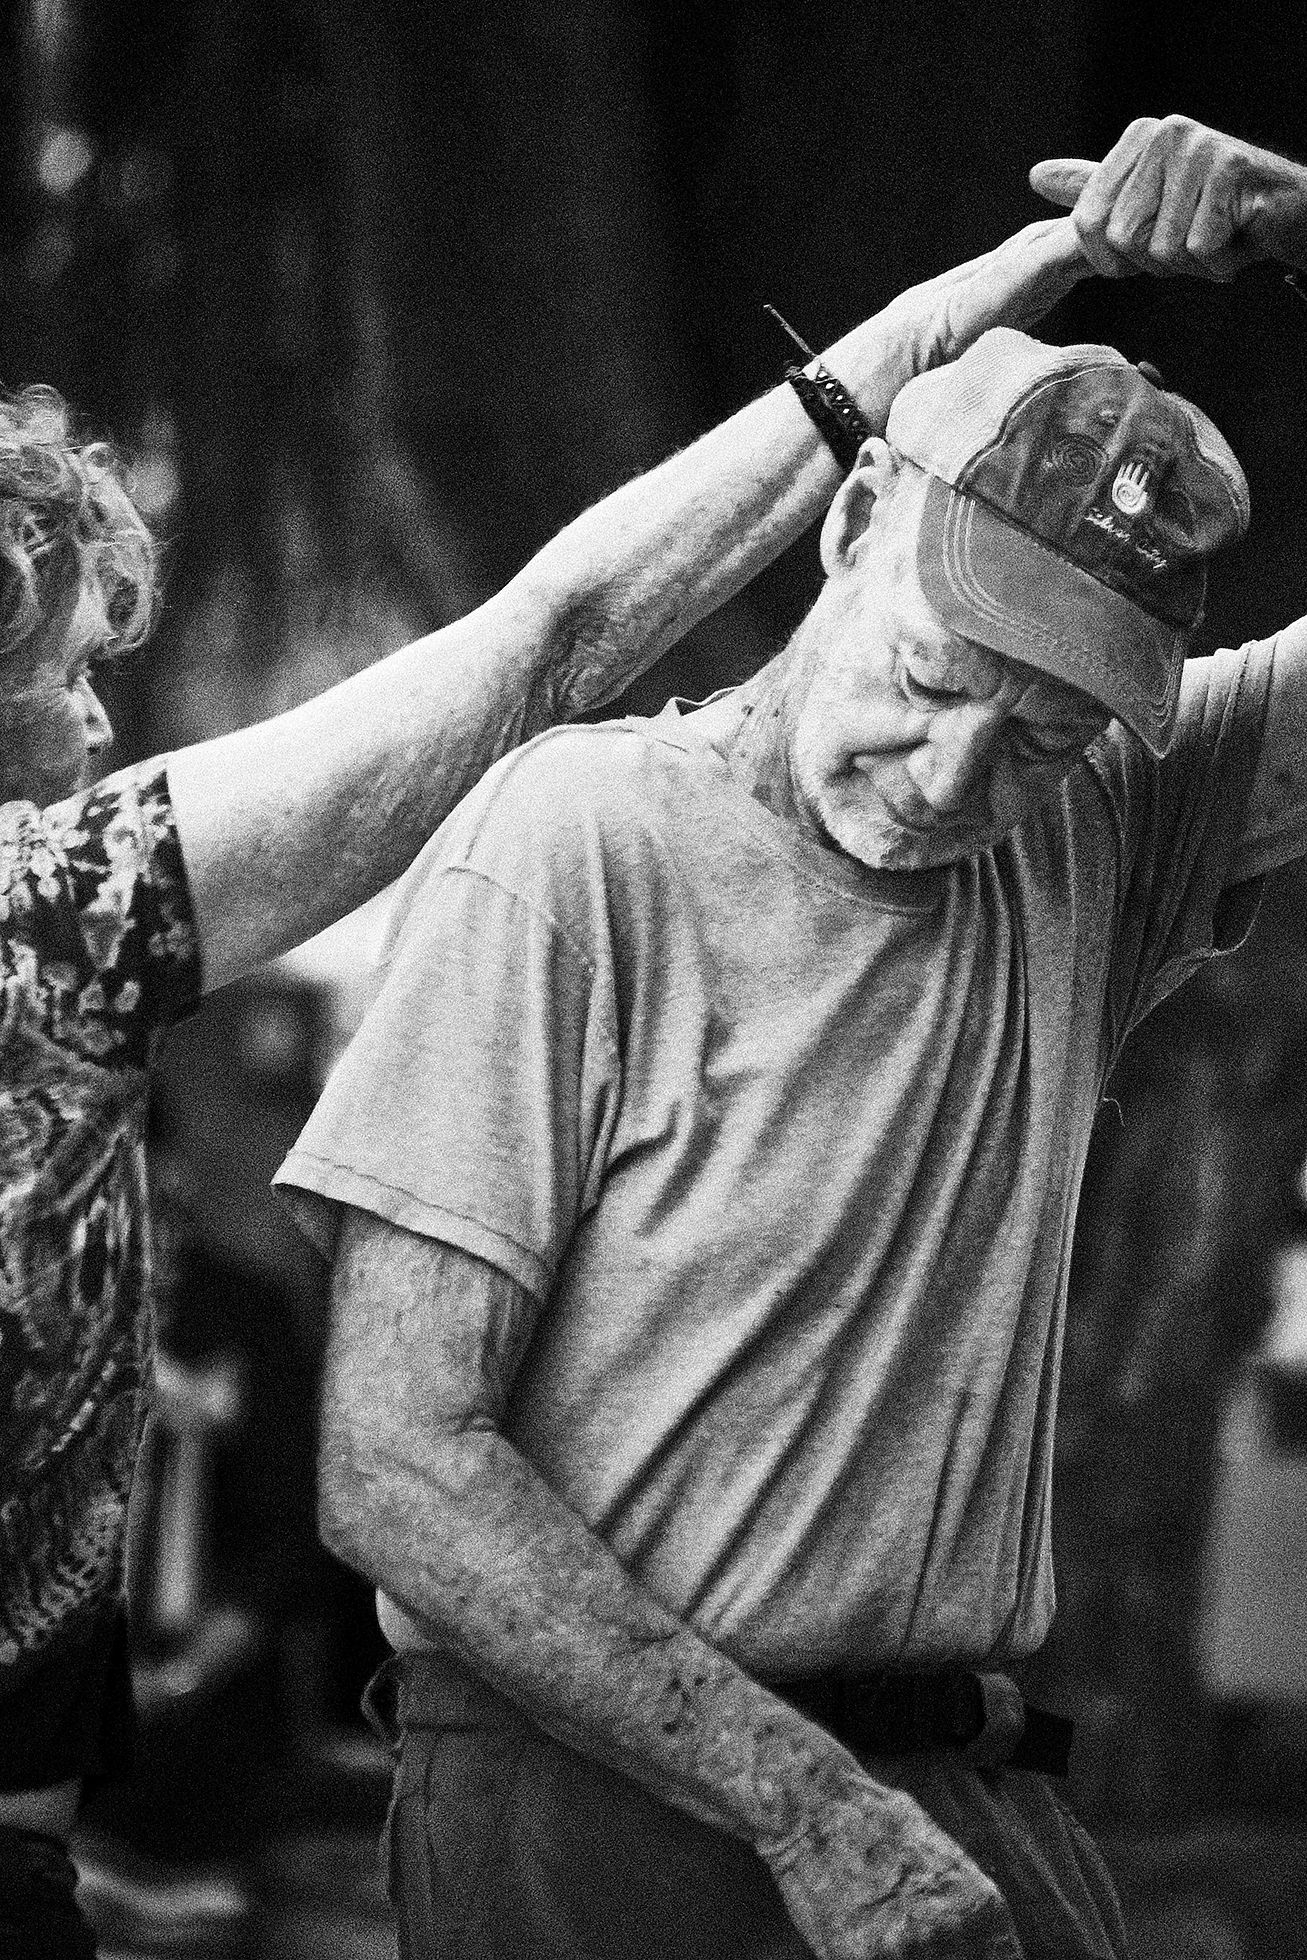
(1071, 510)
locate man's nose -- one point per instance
(959, 755)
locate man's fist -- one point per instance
(1173, 196)
(869, 1876)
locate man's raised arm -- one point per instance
(422, 1493)
(287, 825)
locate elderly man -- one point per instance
(701, 1188)
(120, 904)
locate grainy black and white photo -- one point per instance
(653, 981)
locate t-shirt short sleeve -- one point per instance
(473, 1104)
(97, 936)
(1178, 826)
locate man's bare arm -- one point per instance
(287, 825)
(423, 1494)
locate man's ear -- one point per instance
(847, 519)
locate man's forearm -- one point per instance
(508, 1578)
(474, 1544)
(422, 1492)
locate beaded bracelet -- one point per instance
(843, 426)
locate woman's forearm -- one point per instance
(287, 825)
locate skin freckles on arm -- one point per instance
(421, 1489)
(421, 1492)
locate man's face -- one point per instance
(908, 745)
(52, 722)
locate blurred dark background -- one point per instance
(377, 298)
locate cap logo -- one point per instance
(1130, 490)
(1079, 458)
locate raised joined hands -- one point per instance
(1172, 197)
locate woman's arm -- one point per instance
(287, 825)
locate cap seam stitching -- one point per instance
(1063, 557)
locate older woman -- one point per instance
(120, 904)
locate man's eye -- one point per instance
(929, 691)
(1053, 744)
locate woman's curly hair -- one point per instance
(65, 509)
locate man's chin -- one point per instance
(884, 844)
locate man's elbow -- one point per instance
(590, 640)
(350, 1481)
(375, 1496)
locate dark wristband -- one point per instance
(828, 403)
(842, 423)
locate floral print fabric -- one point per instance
(97, 953)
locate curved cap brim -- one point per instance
(993, 582)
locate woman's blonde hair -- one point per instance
(66, 511)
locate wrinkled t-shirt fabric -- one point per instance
(788, 1153)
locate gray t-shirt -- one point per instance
(788, 1151)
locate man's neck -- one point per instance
(749, 729)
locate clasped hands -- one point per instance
(1175, 197)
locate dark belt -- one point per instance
(984, 1716)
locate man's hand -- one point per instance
(868, 1876)
(1013, 285)
(1173, 196)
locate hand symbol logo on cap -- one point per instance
(1130, 490)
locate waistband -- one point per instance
(428, 1689)
(983, 1716)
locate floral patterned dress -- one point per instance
(97, 953)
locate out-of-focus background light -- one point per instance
(64, 156)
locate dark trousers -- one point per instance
(39, 1916)
(504, 1845)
